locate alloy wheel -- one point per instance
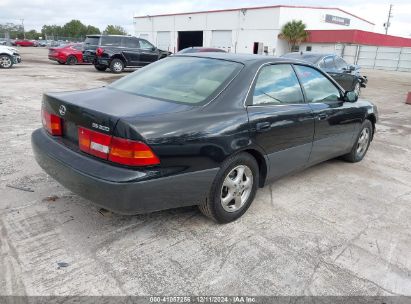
(363, 141)
(5, 62)
(117, 66)
(236, 188)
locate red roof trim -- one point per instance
(255, 8)
(357, 37)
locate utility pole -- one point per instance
(388, 24)
(24, 32)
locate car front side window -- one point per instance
(340, 63)
(329, 63)
(317, 87)
(277, 84)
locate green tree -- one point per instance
(32, 35)
(74, 29)
(92, 30)
(51, 31)
(115, 30)
(294, 33)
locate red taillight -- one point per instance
(52, 123)
(99, 52)
(115, 149)
(95, 143)
(132, 153)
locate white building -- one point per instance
(243, 30)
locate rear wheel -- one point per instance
(117, 65)
(362, 143)
(233, 189)
(71, 60)
(6, 62)
(100, 67)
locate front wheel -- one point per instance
(117, 65)
(6, 62)
(362, 143)
(233, 189)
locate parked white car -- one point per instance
(8, 57)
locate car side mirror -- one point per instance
(350, 96)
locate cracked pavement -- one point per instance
(334, 229)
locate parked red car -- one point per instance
(24, 43)
(67, 54)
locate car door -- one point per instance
(148, 52)
(281, 123)
(334, 122)
(328, 64)
(131, 50)
(344, 76)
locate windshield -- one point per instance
(189, 80)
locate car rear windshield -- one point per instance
(91, 41)
(188, 80)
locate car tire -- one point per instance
(71, 60)
(231, 195)
(362, 143)
(100, 67)
(117, 65)
(6, 62)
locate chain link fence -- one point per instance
(47, 40)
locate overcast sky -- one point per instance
(120, 12)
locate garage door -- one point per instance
(163, 40)
(221, 39)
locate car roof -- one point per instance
(246, 59)
(307, 56)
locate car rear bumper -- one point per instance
(54, 58)
(121, 190)
(88, 58)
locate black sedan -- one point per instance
(348, 76)
(205, 129)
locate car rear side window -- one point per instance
(317, 87)
(188, 80)
(277, 84)
(111, 40)
(91, 41)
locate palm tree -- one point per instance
(294, 32)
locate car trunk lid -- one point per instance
(101, 109)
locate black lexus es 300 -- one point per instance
(207, 129)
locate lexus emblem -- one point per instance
(62, 110)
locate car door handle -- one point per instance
(322, 116)
(263, 126)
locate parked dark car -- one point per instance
(200, 49)
(203, 130)
(68, 54)
(118, 52)
(347, 75)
